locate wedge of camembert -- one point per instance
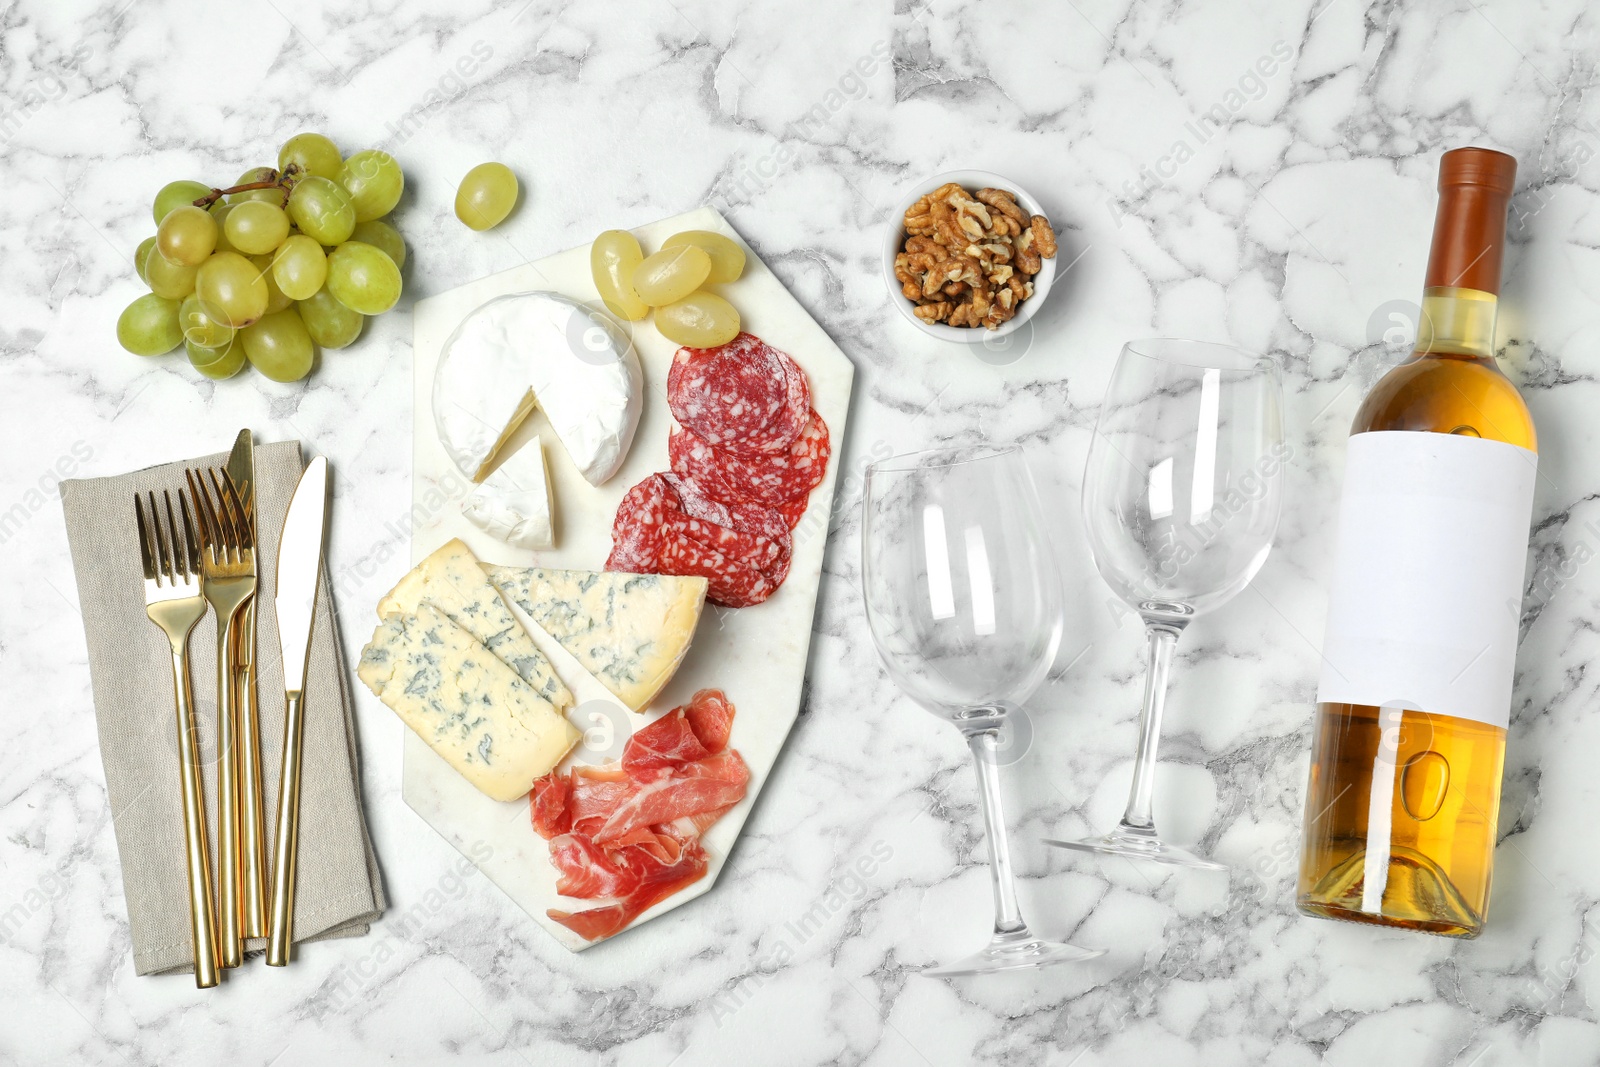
(628, 630)
(452, 580)
(514, 503)
(465, 702)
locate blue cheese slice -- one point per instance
(628, 630)
(465, 702)
(451, 580)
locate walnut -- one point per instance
(968, 257)
(1002, 202)
(1044, 238)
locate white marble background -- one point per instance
(1289, 231)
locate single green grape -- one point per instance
(382, 236)
(322, 210)
(699, 320)
(300, 266)
(277, 196)
(330, 323)
(279, 346)
(176, 194)
(141, 254)
(222, 362)
(187, 235)
(363, 279)
(727, 258)
(486, 195)
(149, 326)
(257, 227)
(374, 181)
(201, 325)
(167, 279)
(314, 153)
(671, 274)
(232, 287)
(613, 258)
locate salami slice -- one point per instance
(750, 533)
(786, 426)
(730, 582)
(636, 531)
(768, 479)
(728, 393)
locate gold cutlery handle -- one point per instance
(231, 949)
(202, 918)
(252, 808)
(286, 844)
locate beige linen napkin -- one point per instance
(339, 889)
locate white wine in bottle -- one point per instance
(1415, 690)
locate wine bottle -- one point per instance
(1408, 742)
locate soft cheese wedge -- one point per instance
(514, 503)
(465, 702)
(452, 580)
(628, 630)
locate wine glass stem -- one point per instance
(1007, 917)
(1162, 640)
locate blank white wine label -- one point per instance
(1427, 587)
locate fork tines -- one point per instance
(178, 562)
(225, 529)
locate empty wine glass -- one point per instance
(964, 604)
(1180, 497)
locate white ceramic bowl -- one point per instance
(894, 240)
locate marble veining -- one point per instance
(1245, 172)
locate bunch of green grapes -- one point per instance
(286, 259)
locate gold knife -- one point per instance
(252, 808)
(295, 599)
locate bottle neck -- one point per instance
(1456, 322)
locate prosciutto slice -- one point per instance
(628, 833)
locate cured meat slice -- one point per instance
(765, 542)
(669, 741)
(711, 718)
(717, 782)
(586, 871)
(729, 582)
(595, 923)
(595, 793)
(773, 479)
(636, 530)
(790, 420)
(548, 803)
(731, 392)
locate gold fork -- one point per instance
(174, 602)
(227, 565)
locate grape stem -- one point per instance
(286, 180)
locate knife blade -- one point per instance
(299, 564)
(252, 805)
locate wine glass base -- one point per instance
(1142, 846)
(1003, 955)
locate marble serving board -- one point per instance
(757, 655)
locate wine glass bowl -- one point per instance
(964, 604)
(965, 614)
(1181, 493)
